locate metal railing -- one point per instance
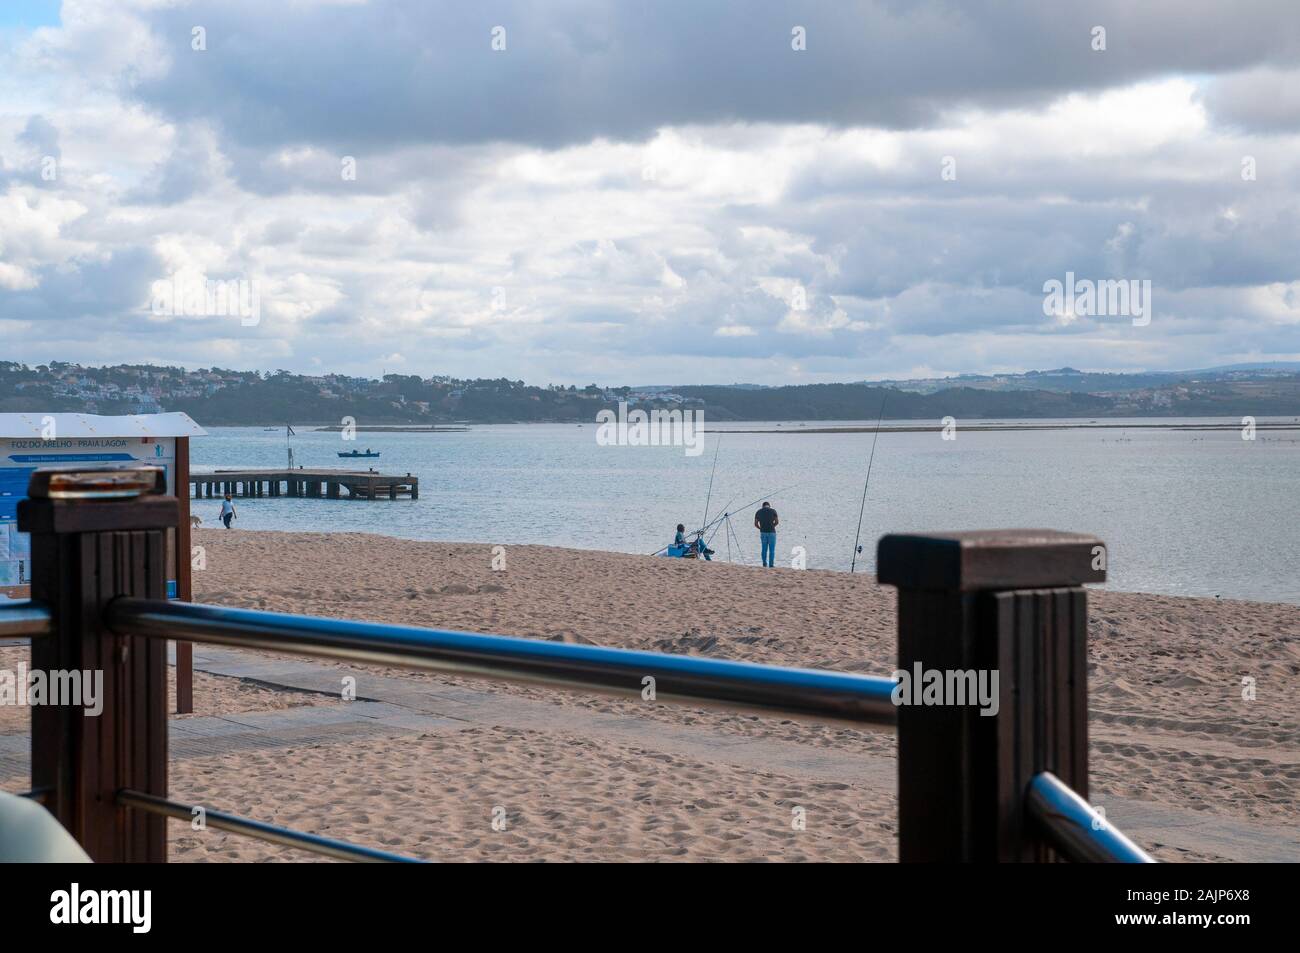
(24, 620)
(1010, 595)
(284, 836)
(1076, 828)
(859, 700)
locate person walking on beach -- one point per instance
(227, 511)
(766, 522)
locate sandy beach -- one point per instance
(580, 777)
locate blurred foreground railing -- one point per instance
(1008, 784)
(23, 620)
(801, 693)
(1075, 827)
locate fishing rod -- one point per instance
(857, 547)
(707, 500)
(709, 497)
(744, 506)
(716, 523)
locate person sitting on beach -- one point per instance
(701, 550)
(694, 548)
(766, 521)
(227, 511)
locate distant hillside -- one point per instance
(217, 397)
(1068, 379)
(860, 402)
(1278, 396)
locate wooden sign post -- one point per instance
(86, 552)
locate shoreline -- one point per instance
(968, 428)
(487, 547)
(800, 426)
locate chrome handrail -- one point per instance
(858, 700)
(1076, 828)
(327, 846)
(1069, 823)
(24, 620)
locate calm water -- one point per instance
(1184, 513)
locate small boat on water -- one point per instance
(358, 453)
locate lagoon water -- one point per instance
(1200, 513)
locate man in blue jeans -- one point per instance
(766, 522)
(227, 511)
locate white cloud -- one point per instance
(662, 242)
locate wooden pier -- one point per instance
(315, 484)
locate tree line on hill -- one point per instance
(218, 398)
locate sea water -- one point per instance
(1183, 512)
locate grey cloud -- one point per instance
(402, 71)
(190, 169)
(947, 275)
(1260, 100)
(42, 136)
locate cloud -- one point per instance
(1266, 99)
(635, 191)
(400, 71)
(41, 136)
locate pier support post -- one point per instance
(1005, 602)
(86, 552)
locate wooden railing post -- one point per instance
(85, 552)
(1006, 602)
(184, 576)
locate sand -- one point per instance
(212, 696)
(1167, 720)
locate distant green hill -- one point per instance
(219, 397)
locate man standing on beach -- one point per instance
(227, 511)
(766, 521)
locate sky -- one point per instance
(689, 191)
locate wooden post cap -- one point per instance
(990, 559)
(95, 483)
(97, 516)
